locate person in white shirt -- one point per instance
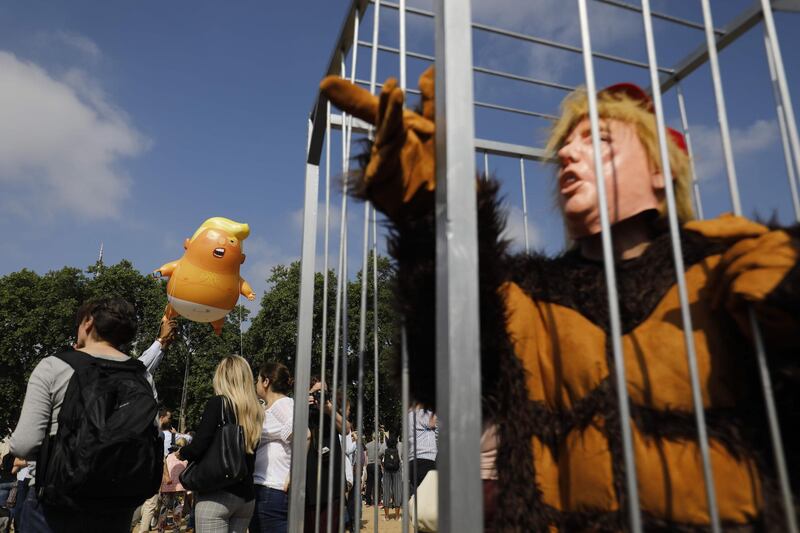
(422, 444)
(274, 454)
(349, 448)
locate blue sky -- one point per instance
(130, 123)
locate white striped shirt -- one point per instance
(426, 435)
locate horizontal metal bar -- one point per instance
(482, 70)
(481, 145)
(534, 81)
(516, 110)
(393, 50)
(749, 18)
(786, 5)
(486, 105)
(536, 40)
(514, 150)
(662, 16)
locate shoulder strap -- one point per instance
(78, 360)
(75, 359)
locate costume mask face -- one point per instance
(632, 183)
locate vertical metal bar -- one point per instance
(787, 153)
(786, 99)
(323, 357)
(375, 369)
(766, 383)
(337, 320)
(376, 21)
(722, 114)
(680, 274)
(340, 288)
(404, 410)
(362, 332)
(761, 358)
(344, 407)
(362, 339)
(611, 280)
(698, 203)
(458, 384)
(414, 473)
(305, 324)
(774, 426)
(345, 284)
(402, 15)
(524, 204)
(485, 165)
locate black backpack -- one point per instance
(107, 453)
(391, 460)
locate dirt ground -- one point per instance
(367, 523)
(390, 526)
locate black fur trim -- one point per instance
(727, 426)
(578, 283)
(412, 243)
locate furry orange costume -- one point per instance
(547, 366)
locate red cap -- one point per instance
(633, 91)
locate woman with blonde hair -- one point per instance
(228, 509)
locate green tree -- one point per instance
(38, 316)
(273, 333)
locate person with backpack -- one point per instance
(392, 479)
(225, 498)
(374, 450)
(88, 420)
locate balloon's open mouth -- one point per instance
(219, 252)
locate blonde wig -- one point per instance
(233, 379)
(238, 229)
(620, 106)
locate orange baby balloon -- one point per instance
(204, 284)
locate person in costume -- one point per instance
(547, 368)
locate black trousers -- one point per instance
(417, 470)
(369, 496)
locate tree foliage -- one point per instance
(273, 334)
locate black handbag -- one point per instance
(223, 464)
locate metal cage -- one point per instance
(460, 153)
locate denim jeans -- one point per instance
(37, 518)
(271, 512)
(5, 489)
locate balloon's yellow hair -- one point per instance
(237, 229)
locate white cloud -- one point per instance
(547, 19)
(80, 43)
(746, 142)
(60, 144)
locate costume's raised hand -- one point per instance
(760, 270)
(402, 163)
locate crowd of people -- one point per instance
(109, 458)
